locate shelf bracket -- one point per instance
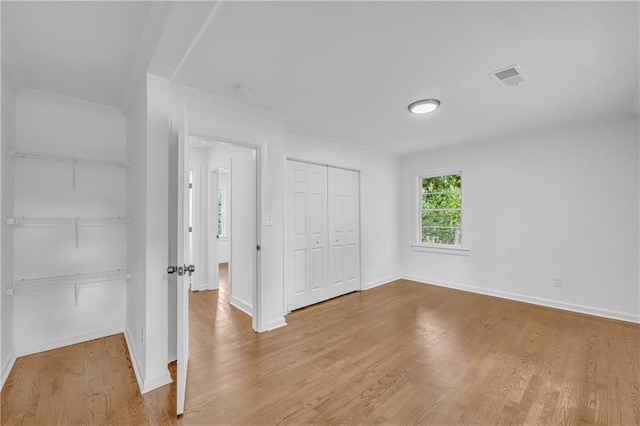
(73, 168)
(76, 227)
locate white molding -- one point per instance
(378, 283)
(203, 286)
(6, 369)
(222, 101)
(22, 350)
(74, 102)
(276, 323)
(208, 20)
(134, 360)
(302, 131)
(153, 28)
(145, 384)
(588, 310)
(458, 251)
(156, 382)
(241, 304)
(635, 107)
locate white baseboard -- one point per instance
(589, 310)
(245, 307)
(7, 367)
(378, 283)
(134, 360)
(26, 349)
(201, 287)
(145, 384)
(151, 383)
(276, 323)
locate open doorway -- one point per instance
(220, 217)
(223, 228)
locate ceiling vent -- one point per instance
(510, 76)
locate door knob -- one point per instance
(172, 269)
(190, 269)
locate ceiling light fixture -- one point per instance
(424, 106)
(243, 90)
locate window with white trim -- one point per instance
(222, 228)
(440, 212)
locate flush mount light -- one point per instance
(424, 106)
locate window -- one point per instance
(441, 210)
(221, 221)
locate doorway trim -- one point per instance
(258, 323)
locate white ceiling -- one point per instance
(85, 50)
(347, 70)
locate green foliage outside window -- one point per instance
(220, 213)
(441, 209)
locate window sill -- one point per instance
(458, 251)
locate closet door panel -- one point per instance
(297, 271)
(351, 219)
(318, 236)
(323, 225)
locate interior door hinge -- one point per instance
(190, 185)
(190, 229)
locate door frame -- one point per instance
(212, 231)
(258, 323)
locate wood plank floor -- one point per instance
(403, 353)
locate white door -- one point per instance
(183, 278)
(344, 217)
(306, 273)
(296, 273)
(212, 226)
(317, 217)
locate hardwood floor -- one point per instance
(403, 353)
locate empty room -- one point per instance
(320, 212)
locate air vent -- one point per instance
(510, 76)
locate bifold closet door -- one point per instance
(344, 231)
(306, 257)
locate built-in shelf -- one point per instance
(67, 158)
(72, 280)
(76, 222)
(58, 157)
(66, 220)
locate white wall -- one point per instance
(241, 211)
(209, 116)
(137, 236)
(222, 120)
(57, 125)
(561, 202)
(7, 355)
(378, 199)
(147, 331)
(158, 134)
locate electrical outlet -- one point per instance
(557, 281)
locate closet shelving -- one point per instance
(75, 222)
(73, 160)
(72, 280)
(77, 280)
